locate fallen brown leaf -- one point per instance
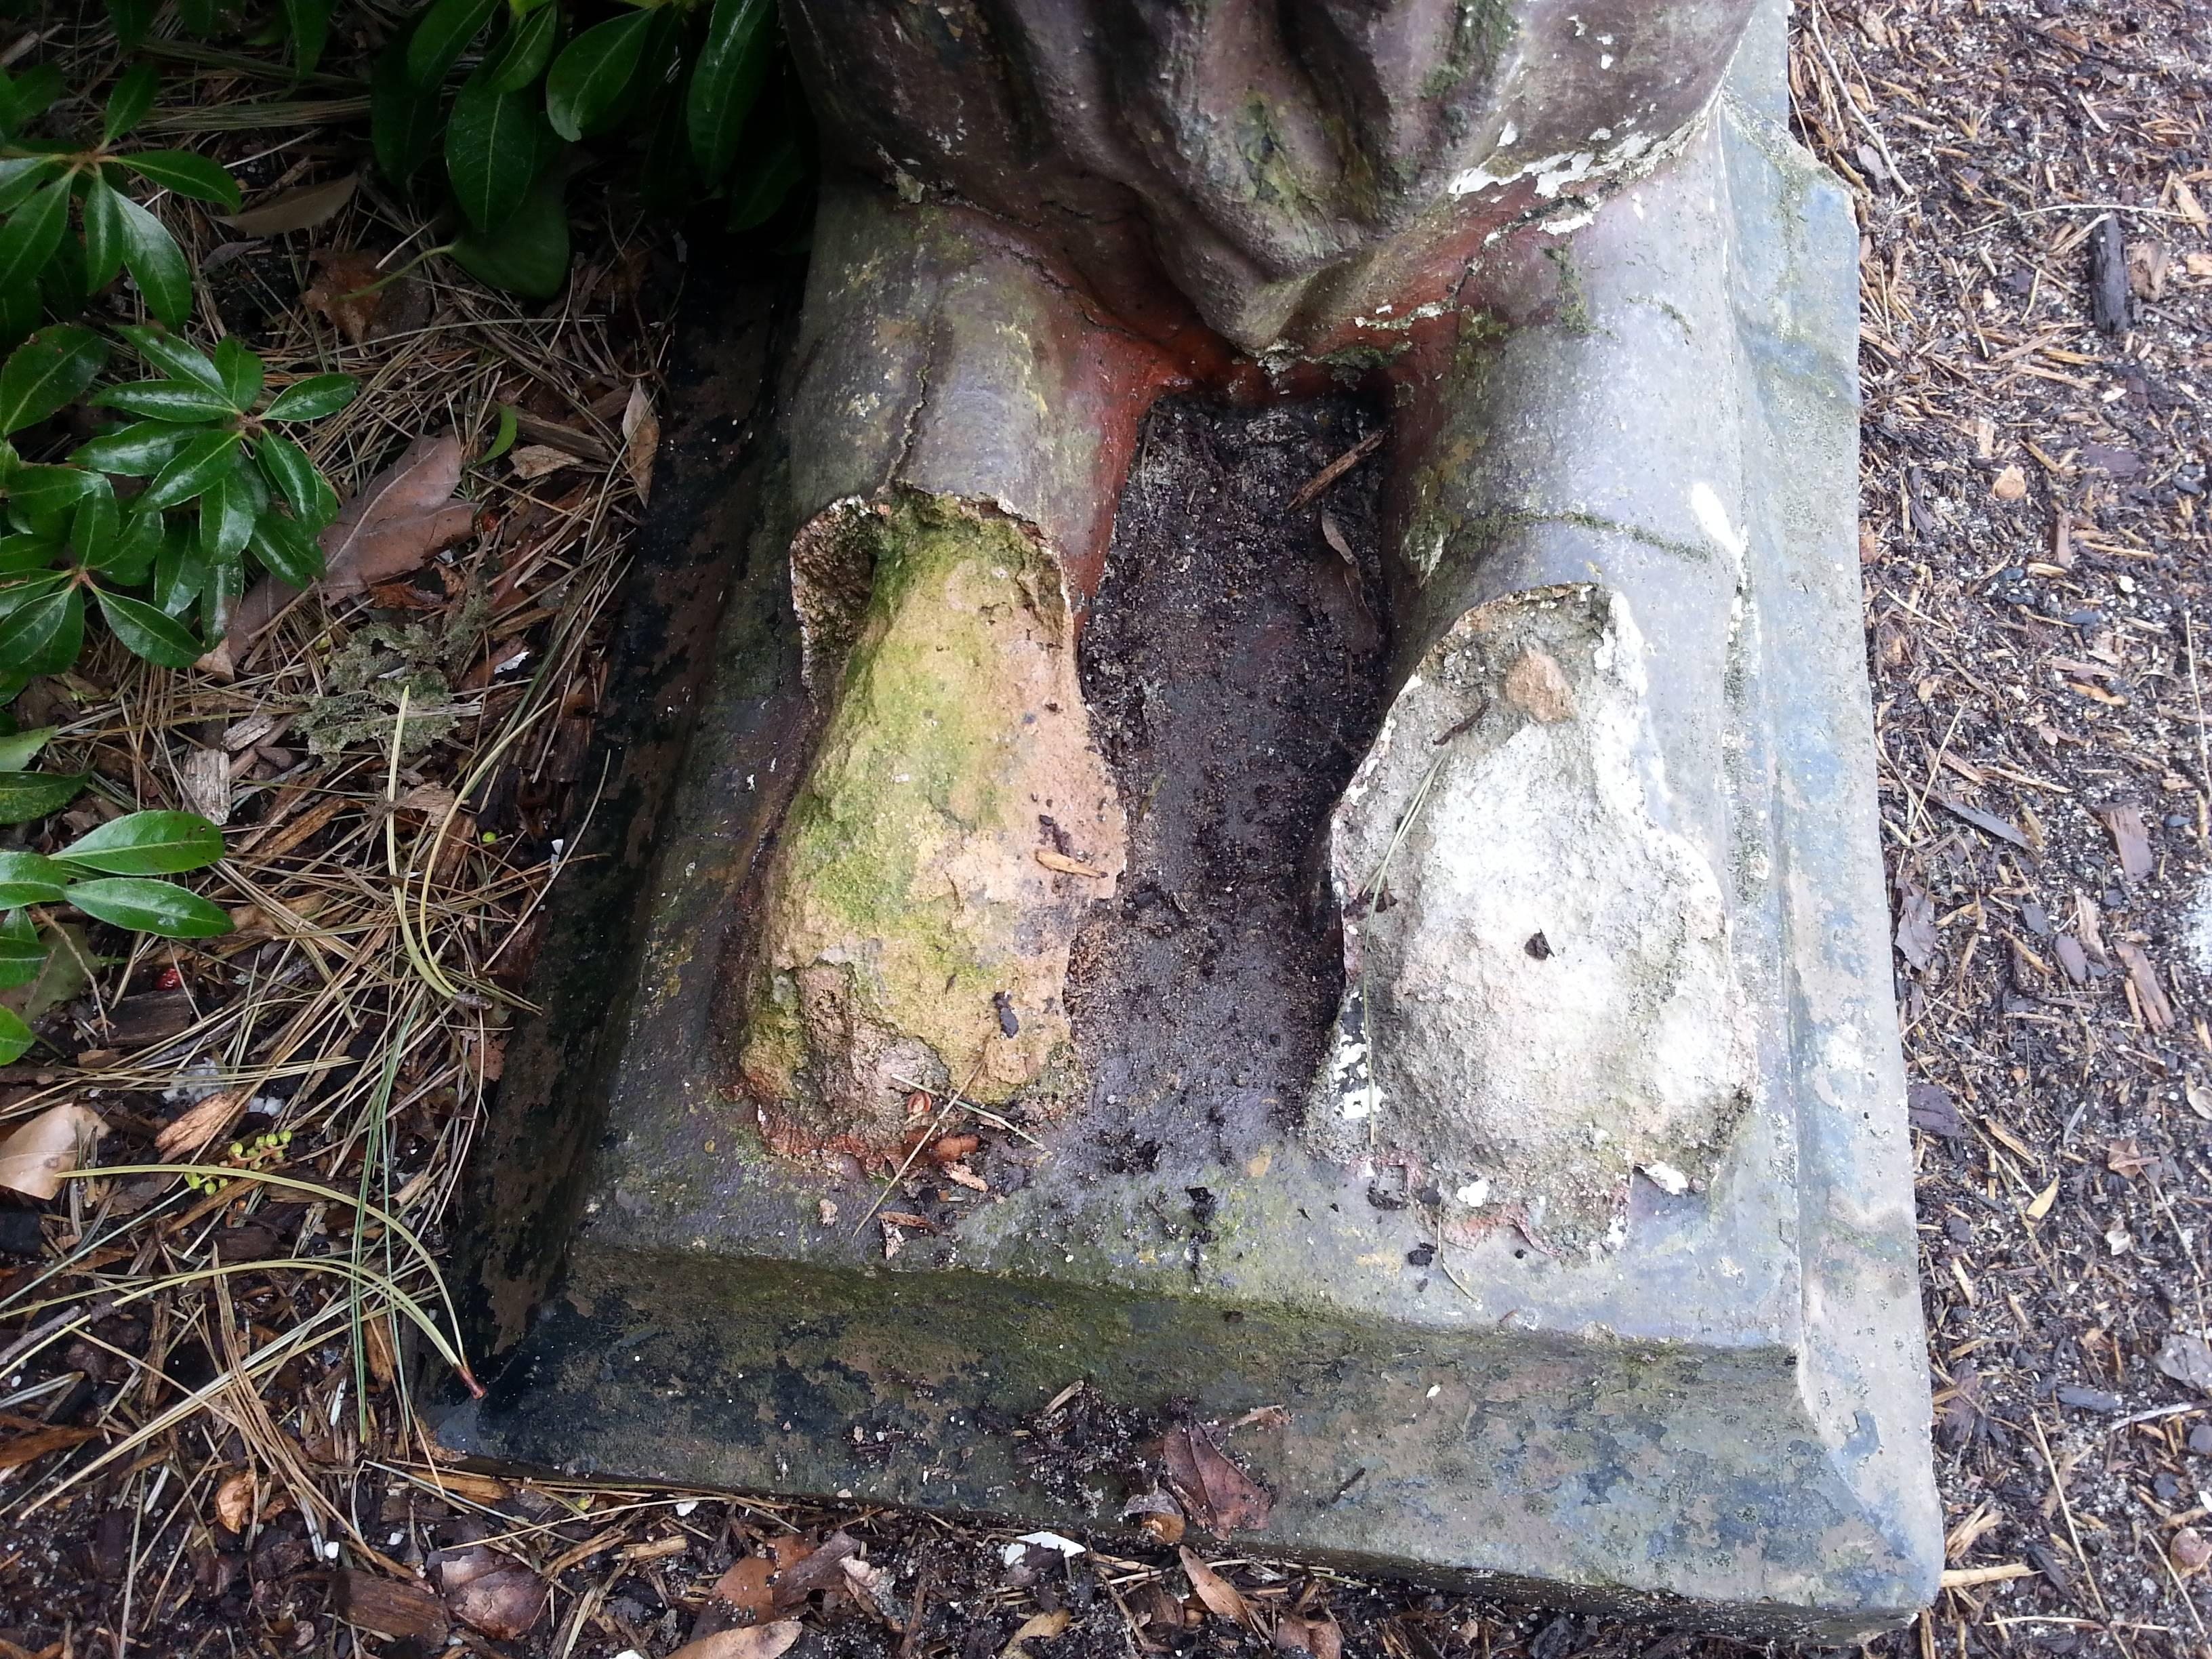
(1334, 535)
(233, 1501)
(534, 461)
(24, 1449)
(1318, 1636)
(408, 512)
(2188, 1360)
(207, 1121)
(1917, 938)
(746, 1642)
(1044, 1626)
(2190, 1549)
(401, 1609)
(2011, 484)
(640, 430)
(340, 292)
(300, 209)
(750, 1585)
(491, 1592)
(1158, 1513)
(1214, 1491)
(1221, 1597)
(34, 1160)
(2130, 838)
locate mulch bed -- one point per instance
(2033, 181)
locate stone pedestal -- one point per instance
(1722, 1415)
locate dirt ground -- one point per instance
(2033, 178)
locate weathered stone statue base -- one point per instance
(1586, 1272)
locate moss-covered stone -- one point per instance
(929, 877)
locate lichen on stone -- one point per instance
(927, 883)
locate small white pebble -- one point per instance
(1667, 1179)
(1435, 1388)
(331, 1550)
(687, 1506)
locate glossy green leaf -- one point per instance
(22, 952)
(14, 595)
(130, 555)
(403, 121)
(45, 636)
(183, 361)
(312, 398)
(31, 233)
(442, 36)
(187, 175)
(287, 550)
(524, 51)
(491, 151)
(180, 570)
(25, 97)
(725, 81)
(19, 749)
(44, 494)
(93, 525)
(308, 23)
(160, 908)
(27, 879)
(132, 19)
(47, 371)
(104, 235)
(22, 555)
(156, 263)
(591, 71)
(314, 503)
(27, 795)
(16, 1038)
(21, 174)
(240, 370)
(147, 631)
(219, 597)
(165, 400)
(136, 452)
(209, 456)
(529, 254)
(226, 514)
(129, 103)
(146, 844)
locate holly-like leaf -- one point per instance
(129, 101)
(27, 795)
(131, 554)
(308, 22)
(524, 51)
(146, 844)
(209, 456)
(591, 71)
(228, 509)
(725, 82)
(47, 371)
(180, 170)
(156, 263)
(27, 879)
(45, 636)
(159, 907)
(41, 494)
(180, 570)
(104, 234)
(165, 400)
(22, 953)
(312, 398)
(147, 631)
(287, 550)
(29, 238)
(182, 360)
(240, 370)
(136, 452)
(314, 503)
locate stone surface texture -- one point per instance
(1636, 421)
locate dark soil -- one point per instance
(1233, 662)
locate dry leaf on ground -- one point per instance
(408, 512)
(344, 291)
(204, 1123)
(35, 1158)
(640, 430)
(2011, 484)
(233, 1501)
(1220, 1597)
(491, 1592)
(746, 1642)
(1214, 1491)
(1042, 1626)
(401, 1609)
(534, 461)
(294, 210)
(1318, 1636)
(37, 1443)
(1917, 938)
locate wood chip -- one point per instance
(1066, 866)
(1311, 489)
